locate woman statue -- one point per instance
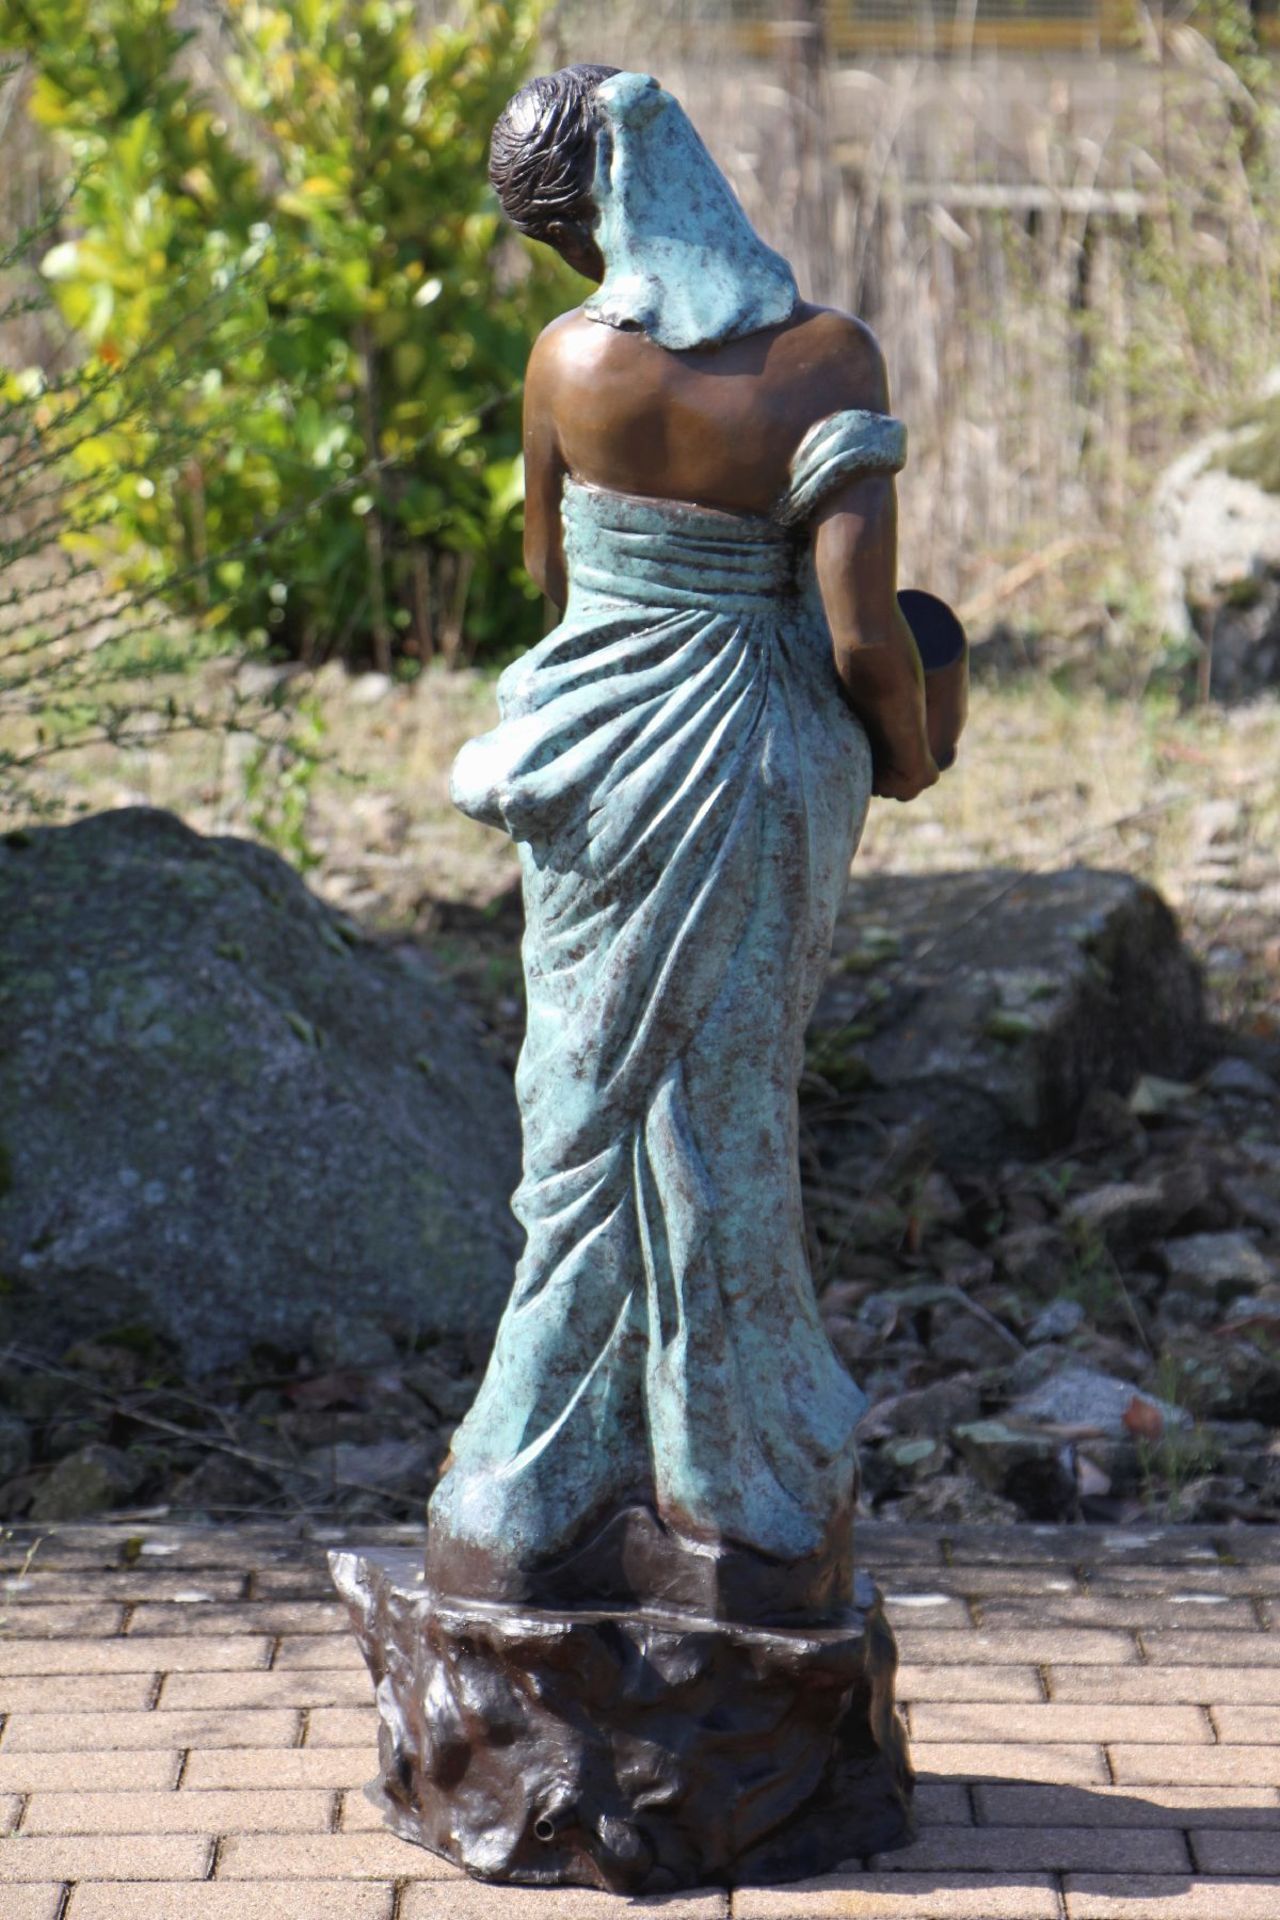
(685, 765)
(638, 1658)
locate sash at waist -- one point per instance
(668, 553)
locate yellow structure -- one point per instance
(865, 27)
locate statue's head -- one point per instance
(542, 161)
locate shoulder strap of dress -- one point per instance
(834, 449)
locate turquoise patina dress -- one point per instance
(686, 786)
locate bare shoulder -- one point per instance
(845, 355)
(565, 343)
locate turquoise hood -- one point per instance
(683, 263)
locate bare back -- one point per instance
(716, 426)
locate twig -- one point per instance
(174, 1431)
(1015, 578)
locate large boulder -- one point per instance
(986, 1007)
(1217, 525)
(222, 1114)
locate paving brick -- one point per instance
(49, 1622)
(264, 1900)
(1081, 1766)
(920, 1647)
(231, 1548)
(1041, 1850)
(1168, 1686)
(1195, 1766)
(320, 1650)
(24, 1547)
(1019, 1546)
(900, 1896)
(1170, 1547)
(73, 1732)
(977, 1683)
(467, 1901)
(1128, 1897)
(140, 1582)
(342, 1726)
(1218, 1850)
(1146, 1610)
(977, 1583)
(959, 1720)
(304, 1687)
(1208, 1576)
(148, 1653)
(84, 1772)
(249, 1616)
(1212, 1649)
(245, 1767)
(1248, 1726)
(926, 1608)
(1028, 1804)
(328, 1856)
(10, 1808)
(77, 1692)
(130, 1856)
(32, 1902)
(943, 1803)
(882, 1543)
(259, 1811)
(293, 1583)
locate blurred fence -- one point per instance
(1070, 258)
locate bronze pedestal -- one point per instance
(635, 1749)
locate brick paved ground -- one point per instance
(1095, 1718)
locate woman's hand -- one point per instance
(904, 777)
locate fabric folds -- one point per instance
(686, 787)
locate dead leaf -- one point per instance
(1142, 1420)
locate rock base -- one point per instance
(633, 1750)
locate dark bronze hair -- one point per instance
(542, 154)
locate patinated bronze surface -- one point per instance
(639, 1750)
(637, 1657)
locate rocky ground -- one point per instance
(1081, 1328)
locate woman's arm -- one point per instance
(856, 555)
(544, 471)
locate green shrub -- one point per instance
(85, 659)
(347, 478)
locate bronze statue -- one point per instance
(639, 1657)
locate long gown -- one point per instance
(687, 787)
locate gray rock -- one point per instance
(1240, 1079)
(1059, 1321)
(928, 1412)
(1217, 1262)
(221, 1117)
(959, 1337)
(1034, 1470)
(1218, 561)
(1005, 1003)
(339, 1340)
(1080, 1396)
(1036, 1258)
(1120, 1214)
(381, 1463)
(94, 1480)
(15, 1445)
(448, 1396)
(903, 1462)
